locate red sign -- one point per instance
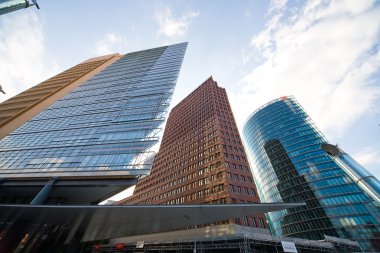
(119, 246)
(97, 246)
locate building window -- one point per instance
(245, 219)
(261, 222)
(253, 219)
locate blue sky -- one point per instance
(325, 53)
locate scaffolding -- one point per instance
(235, 239)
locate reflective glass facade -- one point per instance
(104, 127)
(289, 165)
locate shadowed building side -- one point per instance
(293, 187)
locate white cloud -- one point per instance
(171, 27)
(369, 157)
(22, 53)
(324, 54)
(277, 5)
(110, 43)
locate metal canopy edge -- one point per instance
(106, 222)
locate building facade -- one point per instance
(292, 162)
(95, 120)
(201, 158)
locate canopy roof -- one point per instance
(104, 222)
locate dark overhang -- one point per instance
(104, 222)
(67, 191)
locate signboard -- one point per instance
(119, 246)
(139, 244)
(289, 247)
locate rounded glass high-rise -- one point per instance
(290, 165)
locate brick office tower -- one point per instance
(201, 159)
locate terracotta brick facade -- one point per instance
(201, 158)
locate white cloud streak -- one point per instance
(325, 55)
(22, 53)
(173, 28)
(110, 43)
(277, 5)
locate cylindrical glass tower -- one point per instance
(289, 165)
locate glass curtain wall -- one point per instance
(288, 163)
(105, 126)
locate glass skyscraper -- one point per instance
(292, 162)
(104, 127)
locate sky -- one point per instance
(325, 53)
